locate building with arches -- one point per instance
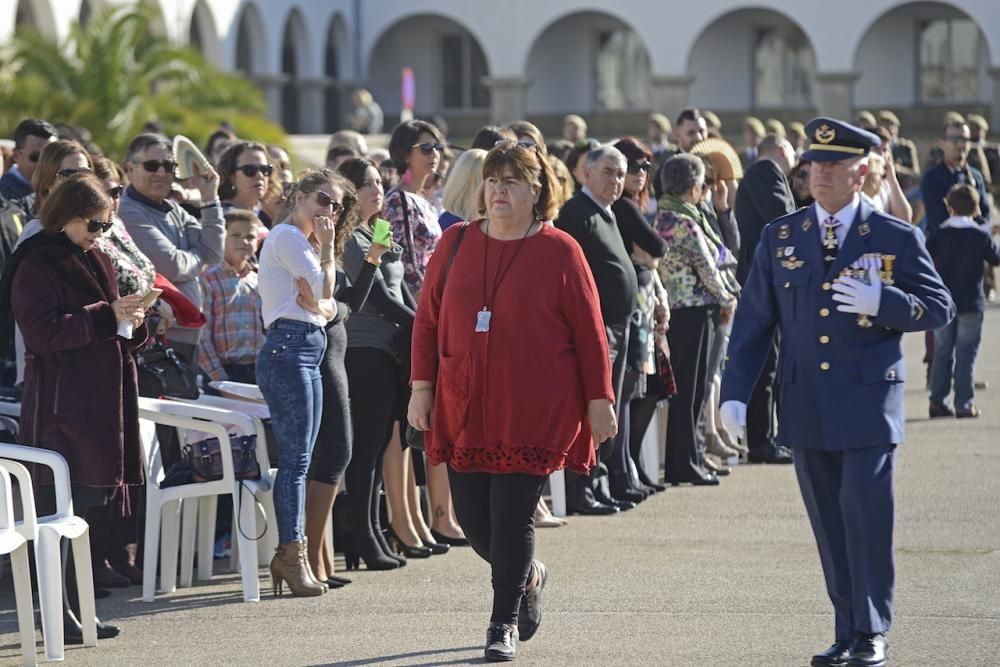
(610, 62)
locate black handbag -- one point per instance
(163, 373)
(414, 437)
(204, 458)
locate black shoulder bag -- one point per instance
(415, 438)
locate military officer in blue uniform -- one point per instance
(842, 283)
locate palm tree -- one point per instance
(114, 75)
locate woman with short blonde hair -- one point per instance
(461, 193)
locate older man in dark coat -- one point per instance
(763, 196)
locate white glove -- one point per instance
(857, 297)
(734, 418)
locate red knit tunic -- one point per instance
(513, 399)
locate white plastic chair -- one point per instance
(46, 532)
(166, 503)
(14, 544)
(207, 507)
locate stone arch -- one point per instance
(251, 42)
(937, 53)
(611, 72)
(749, 59)
(38, 14)
(203, 36)
(337, 67)
(295, 64)
(449, 75)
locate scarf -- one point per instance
(681, 207)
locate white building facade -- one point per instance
(611, 62)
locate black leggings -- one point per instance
(497, 515)
(375, 393)
(332, 451)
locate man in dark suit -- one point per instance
(841, 282)
(588, 218)
(955, 143)
(763, 196)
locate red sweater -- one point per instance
(513, 399)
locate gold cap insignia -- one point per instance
(825, 134)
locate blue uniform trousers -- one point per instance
(848, 496)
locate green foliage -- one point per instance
(115, 75)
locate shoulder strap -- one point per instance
(408, 231)
(451, 254)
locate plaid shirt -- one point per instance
(235, 329)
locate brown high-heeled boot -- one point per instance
(289, 566)
(309, 569)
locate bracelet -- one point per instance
(324, 262)
(373, 262)
(414, 390)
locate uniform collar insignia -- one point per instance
(864, 229)
(806, 224)
(784, 232)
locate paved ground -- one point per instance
(694, 576)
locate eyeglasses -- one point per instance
(636, 167)
(33, 157)
(66, 173)
(427, 149)
(251, 170)
(152, 166)
(326, 201)
(116, 191)
(93, 226)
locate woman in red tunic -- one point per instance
(510, 375)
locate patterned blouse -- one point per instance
(424, 234)
(689, 271)
(134, 270)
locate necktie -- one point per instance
(830, 245)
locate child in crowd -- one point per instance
(959, 249)
(234, 333)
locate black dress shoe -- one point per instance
(939, 410)
(623, 505)
(835, 656)
(73, 632)
(707, 479)
(773, 454)
(590, 507)
(631, 495)
(501, 642)
(869, 650)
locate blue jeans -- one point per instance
(955, 349)
(288, 376)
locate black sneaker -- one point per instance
(529, 614)
(501, 642)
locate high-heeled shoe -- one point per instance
(401, 547)
(370, 553)
(291, 566)
(451, 541)
(646, 480)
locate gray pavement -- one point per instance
(694, 576)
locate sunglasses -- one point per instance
(116, 191)
(523, 143)
(33, 157)
(636, 167)
(152, 166)
(66, 173)
(427, 149)
(251, 170)
(326, 201)
(93, 226)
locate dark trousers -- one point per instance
(762, 426)
(497, 515)
(619, 464)
(848, 496)
(373, 376)
(690, 337)
(618, 335)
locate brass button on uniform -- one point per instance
(891, 375)
(824, 312)
(824, 339)
(787, 285)
(825, 366)
(827, 287)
